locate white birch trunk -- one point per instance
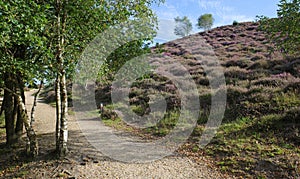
(58, 111)
(63, 119)
(33, 144)
(62, 99)
(34, 104)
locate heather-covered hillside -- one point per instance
(260, 131)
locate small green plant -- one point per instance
(139, 110)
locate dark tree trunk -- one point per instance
(18, 118)
(9, 111)
(19, 124)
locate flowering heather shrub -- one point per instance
(217, 45)
(242, 63)
(293, 115)
(283, 75)
(166, 54)
(270, 81)
(236, 73)
(283, 102)
(235, 97)
(293, 86)
(250, 28)
(259, 101)
(260, 64)
(294, 67)
(235, 93)
(227, 43)
(258, 57)
(232, 49)
(202, 81)
(233, 36)
(260, 37)
(242, 35)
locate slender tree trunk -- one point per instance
(2, 106)
(62, 100)
(19, 123)
(58, 111)
(32, 118)
(63, 119)
(33, 144)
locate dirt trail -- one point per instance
(84, 161)
(44, 114)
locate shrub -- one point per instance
(235, 97)
(242, 63)
(293, 115)
(270, 81)
(293, 86)
(260, 64)
(236, 73)
(203, 81)
(235, 23)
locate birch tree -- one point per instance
(205, 21)
(183, 26)
(77, 23)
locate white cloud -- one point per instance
(167, 11)
(224, 14)
(207, 4)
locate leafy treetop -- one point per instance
(205, 21)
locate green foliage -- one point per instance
(123, 54)
(205, 21)
(30, 31)
(24, 43)
(183, 26)
(284, 31)
(235, 23)
(139, 110)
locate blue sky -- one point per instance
(223, 11)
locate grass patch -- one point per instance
(118, 124)
(162, 128)
(257, 147)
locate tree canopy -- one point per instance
(284, 30)
(183, 26)
(205, 21)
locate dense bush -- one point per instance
(235, 23)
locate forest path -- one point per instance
(84, 161)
